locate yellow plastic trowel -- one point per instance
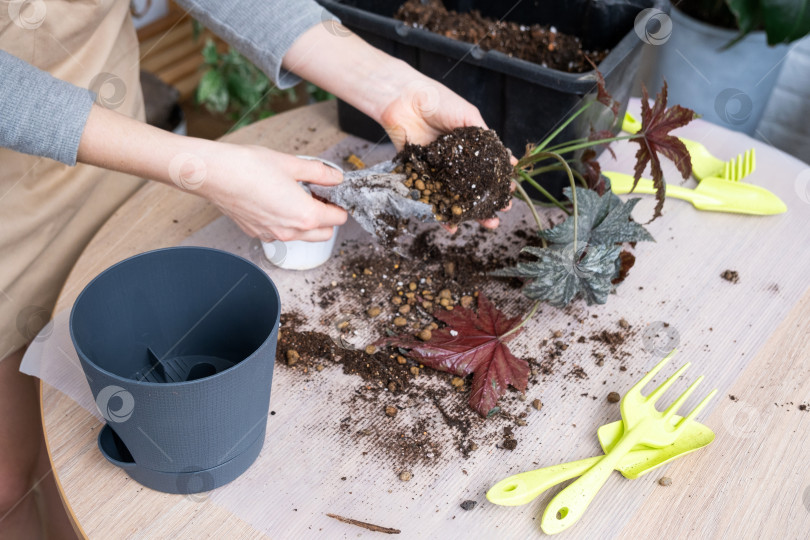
(711, 194)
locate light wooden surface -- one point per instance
(752, 482)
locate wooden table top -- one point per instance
(751, 484)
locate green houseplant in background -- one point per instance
(232, 85)
(784, 21)
(722, 57)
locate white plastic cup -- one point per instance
(297, 254)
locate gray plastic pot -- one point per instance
(729, 87)
(178, 347)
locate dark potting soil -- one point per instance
(731, 275)
(401, 411)
(390, 382)
(312, 349)
(394, 294)
(464, 174)
(542, 45)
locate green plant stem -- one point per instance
(535, 215)
(571, 148)
(541, 170)
(564, 144)
(523, 322)
(543, 191)
(580, 178)
(564, 163)
(540, 147)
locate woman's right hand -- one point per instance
(258, 189)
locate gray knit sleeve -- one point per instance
(40, 114)
(262, 30)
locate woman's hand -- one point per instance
(424, 109)
(256, 187)
(410, 106)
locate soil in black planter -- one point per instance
(539, 44)
(464, 174)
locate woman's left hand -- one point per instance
(424, 110)
(410, 106)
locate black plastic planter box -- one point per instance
(520, 100)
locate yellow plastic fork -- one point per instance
(704, 164)
(643, 424)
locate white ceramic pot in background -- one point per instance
(729, 87)
(297, 254)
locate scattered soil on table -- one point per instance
(464, 174)
(509, 441)
(311, 348)
(430, 276)
(730, 275)
(542, 45)
(401, 412)
(393, 381)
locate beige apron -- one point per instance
(49, 211)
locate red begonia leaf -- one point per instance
(592, 171)
(656, 123)
(602, 95)
(473, 343)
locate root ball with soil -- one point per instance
(464, 174)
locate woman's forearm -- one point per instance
(409, 105)
(117, 142)
(345, 65)
(256, 187)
